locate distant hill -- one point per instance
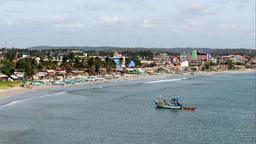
(216, 51)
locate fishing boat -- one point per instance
(169, 104)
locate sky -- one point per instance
(128, 23)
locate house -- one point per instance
(117, 54)
(195, 63)
(3, 77)
(79, 53)
(213, 60)
(19, 75)
(238, 59)
(1, 55)
(176, 60)
(40, 75)
(162, 58)
(25, 56)
(196, 55)
(50, 72)
(184, 57)
(132, 64)
(233, 58)
(184, 64)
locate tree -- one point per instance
(230, 65)
(206, 66)
(7, 67)
(90, 65)
(79, 63)
(68, 62)
(29, 66)
(46, 65)
(137, 61)
(109, 64)
(98, 65)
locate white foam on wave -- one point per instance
(14, 102)
(27, 99)
(168, 80)
(57, 93)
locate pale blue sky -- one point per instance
(128, 23)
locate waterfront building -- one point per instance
(202, 56)
(131, 64)
(3, 77)
(183, 57)
(194, 55)
(184, 64)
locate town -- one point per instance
(68, 66)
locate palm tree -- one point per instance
(98, 65)
(29, 66)
(7, 67)
(90, 65)
(68, 62)
(109, 64)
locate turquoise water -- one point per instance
(125, 113)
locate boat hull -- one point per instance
(166, 106)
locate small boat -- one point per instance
(189, 108)
(169, 104)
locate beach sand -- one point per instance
(20, 90)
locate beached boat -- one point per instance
(169, 104)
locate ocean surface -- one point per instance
(123, 112)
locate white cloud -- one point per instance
(232, 28)
(58, 22)
(6, 1)
(195, 22)
(196, 8)
(120, 5)
(112, 20)
(147, 23)
(188, 25)
(70, 26)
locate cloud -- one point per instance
(233, 1)
(113, 5)
(7, 1)
(189, 25)
(196, 8)
(58, 22)
(147, 23)
(232, 28)
(77, 25)
(111, 20)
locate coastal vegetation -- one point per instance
(7, 67)
(68, 66)
(8, 84)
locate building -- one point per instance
(162, 58)
(1, 55)
(183, 57)
(184, 64)
(202, 56)
(3, 77)
(232, 58)
(79, 54)
(238, 59)
(196, 55)
(175, 60)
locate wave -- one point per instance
(168, 80)
(29, 98)
(14, 102)
(51, 94)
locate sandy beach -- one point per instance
(4, 93)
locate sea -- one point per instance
(124, 112)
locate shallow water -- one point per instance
(124, 112)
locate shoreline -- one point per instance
(15, 91)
